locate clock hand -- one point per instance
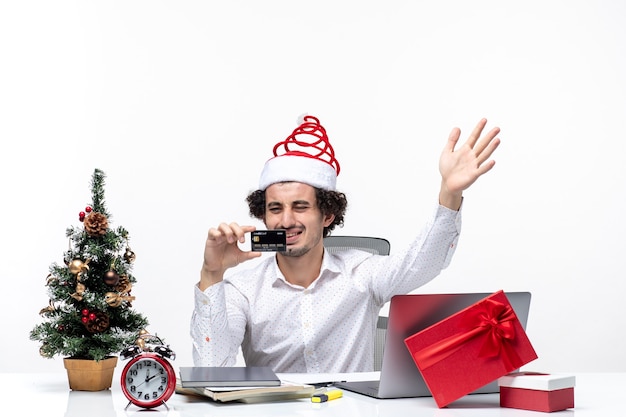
(148, 378)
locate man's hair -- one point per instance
(329, 202)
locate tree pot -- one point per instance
(90, 375)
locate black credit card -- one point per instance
(269, 240)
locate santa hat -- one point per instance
(305, 156)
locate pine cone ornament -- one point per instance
(98, 324)
(96, 224)
(123, 285)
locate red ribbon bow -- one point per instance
(490, 320)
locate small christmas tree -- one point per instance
(89, 315)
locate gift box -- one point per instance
(537, 391)
(471, 348)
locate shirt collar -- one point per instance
(329, 264)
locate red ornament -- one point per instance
(81, 216)
(84, 319)
(92, 316)
(88, 209)
(84, 312)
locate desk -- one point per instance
(48, 394)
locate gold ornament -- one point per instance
(43, 351)
(141, 340)
(80, 291)
(115, 300)
(129, 255)
(141, 343)
(77, 266)
(50, 279)
(49, 309)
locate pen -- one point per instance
(327, 396)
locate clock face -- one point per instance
(148, 380)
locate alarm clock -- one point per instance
(148, 380)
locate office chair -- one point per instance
(377, 246)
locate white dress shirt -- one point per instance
(329, 326)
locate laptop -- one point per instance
(408, 314)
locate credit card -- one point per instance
(268, 240)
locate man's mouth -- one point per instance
(292, 236)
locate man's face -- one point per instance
(292, 206)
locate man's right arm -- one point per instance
(221, 252)
(215, 339)
(209, 278)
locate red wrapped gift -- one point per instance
(537, 391)
(470, 349)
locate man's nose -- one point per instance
(287, 218)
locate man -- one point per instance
(306, 310)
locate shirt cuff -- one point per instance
(452, 216)
(209, 299)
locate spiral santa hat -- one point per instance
(305, 156)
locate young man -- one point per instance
(306, 310)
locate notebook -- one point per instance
(228, 376)
(408, 314)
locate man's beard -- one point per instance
(296, 252)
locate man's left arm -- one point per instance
(424, 259)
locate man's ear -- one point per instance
(328, 219)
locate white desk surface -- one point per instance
(48, 394)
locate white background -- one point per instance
(180, 103)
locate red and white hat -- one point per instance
(305, 156)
